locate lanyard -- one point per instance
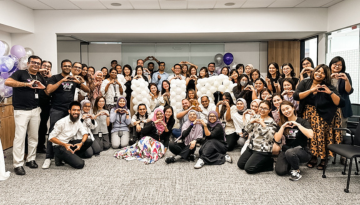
(32, 79)
(115, 90)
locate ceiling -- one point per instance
(184, 37)
(172, 4)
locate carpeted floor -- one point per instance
(106, 180)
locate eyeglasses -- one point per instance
(77, 67)
(337, 65)
(35, 63)
(46, 66)
(262, 108)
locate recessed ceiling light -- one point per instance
(115, 4)
(230, 4)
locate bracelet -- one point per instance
(332, 92)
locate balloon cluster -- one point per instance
(140, 93)
(177, 93)
(224, 60)
(208, 86)
(11, 60)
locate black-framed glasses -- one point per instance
(35, 63)
(262, 108)
(337, 65)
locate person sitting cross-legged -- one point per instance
(62, 136)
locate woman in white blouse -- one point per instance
(225, 109)
(111, 89)
(156, 98)
(237, 117)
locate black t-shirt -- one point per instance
(24, 97)
(64, 94)
(295, 137)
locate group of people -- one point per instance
(277, 116)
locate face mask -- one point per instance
(243, 83)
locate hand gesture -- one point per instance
(202, 122)
(255, 120)
(192, 144)
(78, 147)
(159, 77)
(76, 80)
(289, 124)
(138, 128)
(324, 89)
(267, 80)
(315, 88)
(343, 76)
(127, 78)
(285, 92)
(219, 103)
(35, 84)
(68, 148)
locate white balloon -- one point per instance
(199, 93)
(221, 88)
(213, 89)
(139, 97)
(216, 84)
(209, 93)
(178, 105)
(226, 83)
(135, 101)
(135, 107)
(144, 93)
(227, 90)
(183, 86)
(178, 98)
(135, 82)
(178, 91)
(207, 85)
(203, 90)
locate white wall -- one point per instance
(101, 55)
(5, 36)
(15, 17)
(343, 14)
(249, 53)
(67, 50)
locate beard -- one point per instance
(74, 119)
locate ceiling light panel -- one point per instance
(60, 4)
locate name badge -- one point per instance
(36, 96)
(115, 99)
(100, 134)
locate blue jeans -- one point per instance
(176, 133)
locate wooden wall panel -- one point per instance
(7, 125)
(285, 52)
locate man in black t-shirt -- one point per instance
(62, 89)
(26, 90)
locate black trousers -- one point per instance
(291, 159)
(231, 141)
(103, 141)
(254, 162)
(55, 115)
(181, 149)
(44, 117)
(73, 160)
(94, 149)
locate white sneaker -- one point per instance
(200, 163)
(295, 175)
(46, 164)
(228, 158)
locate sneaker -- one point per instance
(169, 160)
(228, 158)
(295, 175)
(200, 163)
(46, 164)
(192, 157)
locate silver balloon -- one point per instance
(218, 59)
(7, 48)
(22, 65)
(233, 65)
(29, 51)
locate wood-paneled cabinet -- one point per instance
(7, 125)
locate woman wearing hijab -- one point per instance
(148, 149)
(88, 121)
(185, 145)
(120, 119)
(213, 150)
(237, 118)
(96, 86)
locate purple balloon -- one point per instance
(15, 67)
(3, 68)
(5, 75)
(228, 58)
(18, 51)
(2, 48)
(8, 91)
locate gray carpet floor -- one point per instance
(106, 180)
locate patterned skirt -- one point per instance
(324, 133)
(146, 150)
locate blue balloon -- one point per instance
(228, 58)
(5, 75)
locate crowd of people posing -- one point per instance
(277, 116)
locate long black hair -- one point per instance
(337, 59)
(127, 66)
(171, 119)
(162, 87)
(277, 71)
(138, 114)
(292, 74)
(231, 103)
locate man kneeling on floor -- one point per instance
(67, 149)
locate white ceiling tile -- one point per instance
(124, 4)
(33, 4)
(145, 4)
(286, 3)
(314, 3)
(88, 4)
(173, 4)
(60, 4)
(332, 3)
(257, 3)
(201, 4)
(221, 4)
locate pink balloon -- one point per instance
(18, 51)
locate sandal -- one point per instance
(312, 162)
(321, 165)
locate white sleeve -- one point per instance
(102, 87)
